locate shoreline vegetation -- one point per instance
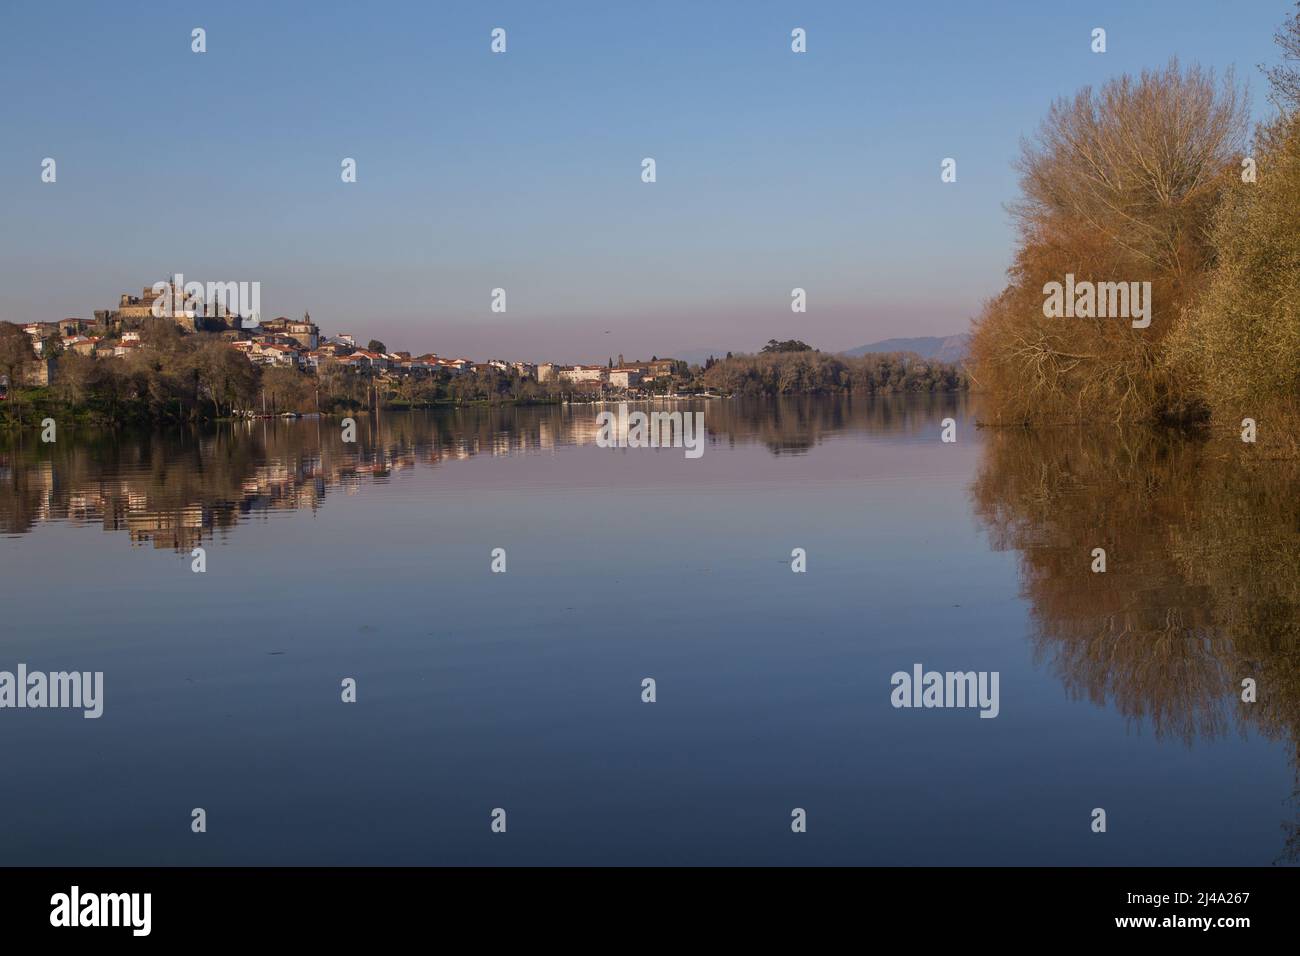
(1154, 179)
(169, 376)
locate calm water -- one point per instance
(523, 690)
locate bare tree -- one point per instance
(1120, 184)
(15, 354)
(1284, 78)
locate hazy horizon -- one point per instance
(521, 170)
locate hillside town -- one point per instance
(298, 344)
(164, 355)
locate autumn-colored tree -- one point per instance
(1120, 185)
(1241, 344)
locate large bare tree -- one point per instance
(1120, 184)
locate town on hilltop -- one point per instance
(160, 315)
(163, 356)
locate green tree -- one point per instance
(789, 345)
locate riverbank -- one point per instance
(28, 407)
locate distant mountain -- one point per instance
(952, 348)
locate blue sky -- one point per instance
(522, 170)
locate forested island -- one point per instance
(795, 368)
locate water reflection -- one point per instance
(175, 489)
(797, 425)
(1202, 586)
(1201, 590)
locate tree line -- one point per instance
(793, 370)
(185, 377)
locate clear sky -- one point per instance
(523, 170)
